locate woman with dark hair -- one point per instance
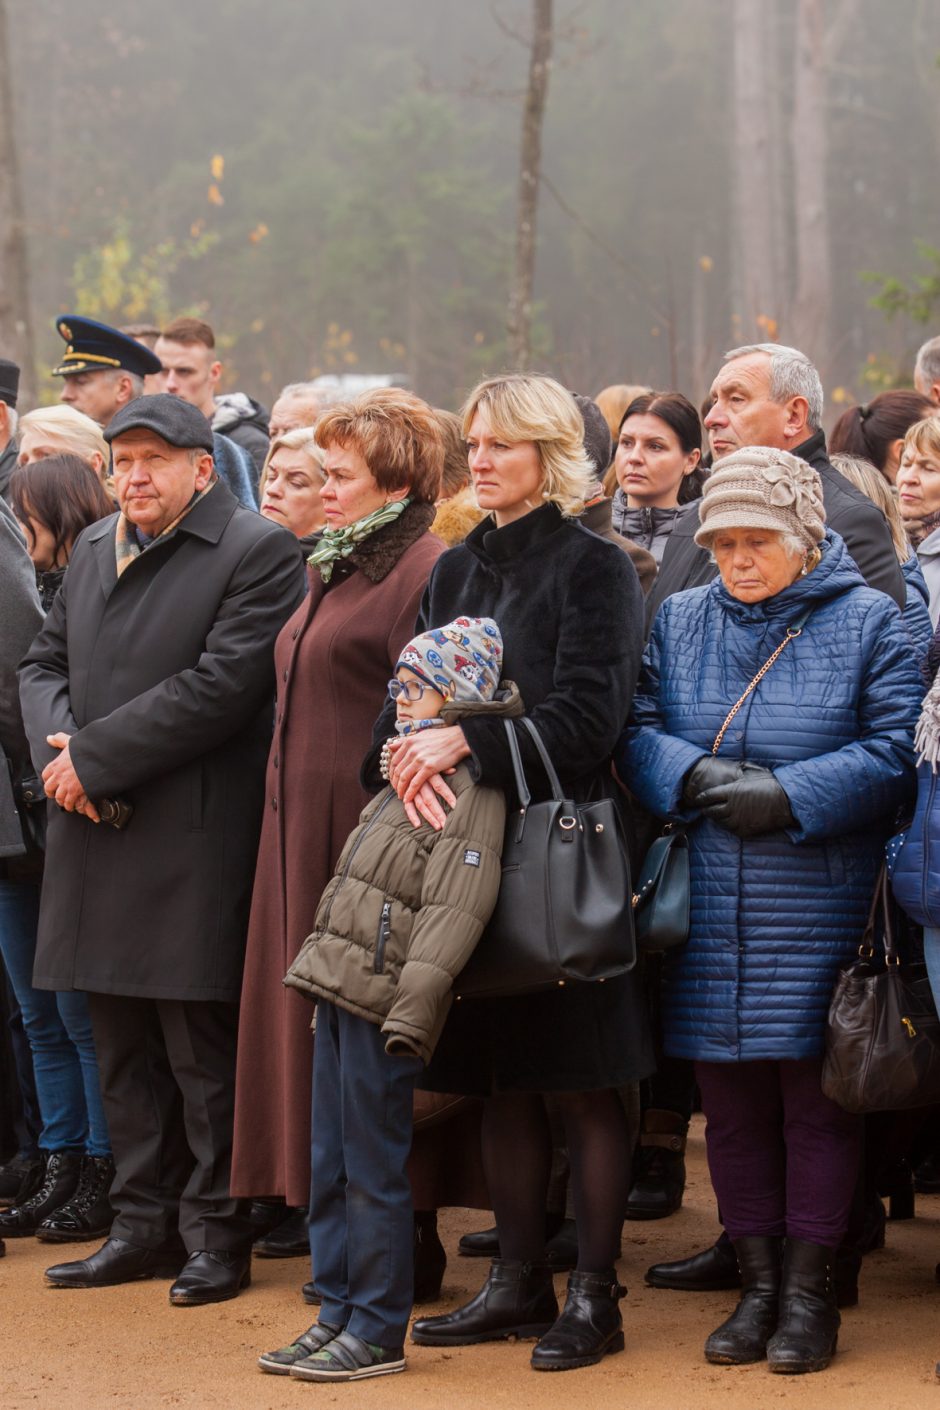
(656, 467)
(875, 431)
(54, 500)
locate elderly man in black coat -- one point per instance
(148, 701)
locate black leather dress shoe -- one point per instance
(288, 1239)
(713, 1270)
(211, 1275)
(116, 1261)
(310, 1295)
(21, 1177)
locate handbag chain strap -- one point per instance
(792, 632)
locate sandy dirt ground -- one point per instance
(127, 1349)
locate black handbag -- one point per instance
(564, 908)
(663, 897)
(883, 1034)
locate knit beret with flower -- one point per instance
(759, 487)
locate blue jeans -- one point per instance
(932, 960)
(361, 1220)
(59, 1032)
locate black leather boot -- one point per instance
(430, 1260)
(63, 1172)
(713, 1270)
(744, 1336)
(517, 1300)
(808, 1325)
(21, 1177)
(88, 1214)
(659, 1166)
(590, 1325)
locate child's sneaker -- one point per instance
(279, 1363)
(346, 1358)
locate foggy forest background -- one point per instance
(334, 185)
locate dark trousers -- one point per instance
(361, 1223)
(783, 1158)
(168, 1079)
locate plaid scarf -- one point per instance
(127, 546)
(339, 543)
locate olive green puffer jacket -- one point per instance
(407, 906)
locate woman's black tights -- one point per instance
(517, 1158)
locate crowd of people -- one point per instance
(266, 688)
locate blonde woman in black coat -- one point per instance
(570, 610)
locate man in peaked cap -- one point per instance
(9, 386)
(103, 369)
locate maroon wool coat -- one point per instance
(333, 660)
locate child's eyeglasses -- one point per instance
(411, 690)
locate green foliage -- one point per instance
(920, 299)
(119, 283)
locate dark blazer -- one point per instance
(164, 677)
(853, 516)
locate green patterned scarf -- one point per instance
(339, 543)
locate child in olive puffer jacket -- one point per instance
(395, 926)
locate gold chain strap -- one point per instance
(791, 633)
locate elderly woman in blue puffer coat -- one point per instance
(788, 799)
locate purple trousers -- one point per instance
(783, 1158)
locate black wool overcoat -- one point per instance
(165, 679)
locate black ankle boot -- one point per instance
(590, 1325)
(808, 1325)
(517, 1300)
(63, 1172)
(659, 1176)
(88, 1214)
(430, 1260)
(743, 1337)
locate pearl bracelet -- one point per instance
(385, 759)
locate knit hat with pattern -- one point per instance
(461, 660)
(759, 487)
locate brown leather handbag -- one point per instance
(883, 1034)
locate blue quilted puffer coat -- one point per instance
(916, 616)
(773, 917)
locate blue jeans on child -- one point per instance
(361, 1220)
(59, 1031)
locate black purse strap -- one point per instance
(522, 786)
(881, 901)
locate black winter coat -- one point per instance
(850, 513)
(570, 610)
(165, 679)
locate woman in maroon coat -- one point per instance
(383, 455)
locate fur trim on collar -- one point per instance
(377, 555)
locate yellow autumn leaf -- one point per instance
(706, 263)
(257, 325)
(214, 196)
(840, 395)
(217, 167)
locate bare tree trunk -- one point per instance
(520, 299)
(811, 311)
(752, 167)
(16, 340)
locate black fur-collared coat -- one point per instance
(570, 610)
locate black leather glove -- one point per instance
(750, 806)
(708, 773)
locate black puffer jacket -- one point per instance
(650, 528)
